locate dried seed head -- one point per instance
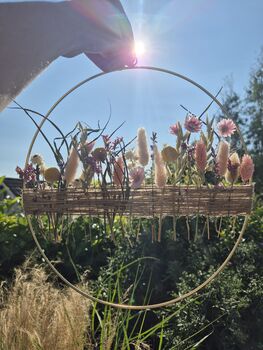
(169, 154)
(159, 168)
(71, 166)
(52, 175)
(142, 147)
(200, 155)
(100, 154)
(246, 168)
(118, 173)
(222, 157)
(232, 172)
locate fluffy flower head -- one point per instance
(169, 154)
(232, 172)
(246, 168)
(226, 127)
(200, 155)
(160, 169)
(142, 147)
(192, 123)
(118, 173)
(136, 177)
(37, 159)
(71, 166)
(222, 157)
(52, 175)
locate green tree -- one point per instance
(254, 112)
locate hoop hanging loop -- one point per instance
(82, 292)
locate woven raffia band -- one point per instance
(143, 202)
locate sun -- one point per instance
(139, 48)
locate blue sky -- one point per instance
(207, 40)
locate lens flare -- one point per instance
(139, 48)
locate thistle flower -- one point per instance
(37, 159)
(52, 175)
(222, 157)
(160, 169)
(174, 129)
(118, 173)
(142, 147)
(71, 166)
(200, 155)
(169, 154)
(137, 177)
(226, 127)
(192, 123)
(246, 168)
(232, 172)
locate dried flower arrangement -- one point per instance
(191, 177)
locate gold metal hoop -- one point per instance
(126, 306)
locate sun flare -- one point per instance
(139, 48)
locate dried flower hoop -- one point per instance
(126, 306)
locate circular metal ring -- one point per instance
(77, 289)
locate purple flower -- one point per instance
(111, 145)
(28, 174)
(91, 162)
(106, 140)
(192, 123)
(116, 142)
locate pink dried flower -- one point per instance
(200, 155)
(142, 147)
(222, 157)
(226, 127)
(71, 166)
(192, 123)
(136, 177)
(246, 168)
(174, 129)
(160, 169)
(118, 173)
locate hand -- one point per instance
(33, 34)
(102, 31)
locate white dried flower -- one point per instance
(71, 166)
(142, 147)
(159, 168)
(37, 159)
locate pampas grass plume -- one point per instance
(222, 157)
(200, 155)
(160, 169)
(246, 168)
(142, 150)
(232, 172)
(71, 166)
